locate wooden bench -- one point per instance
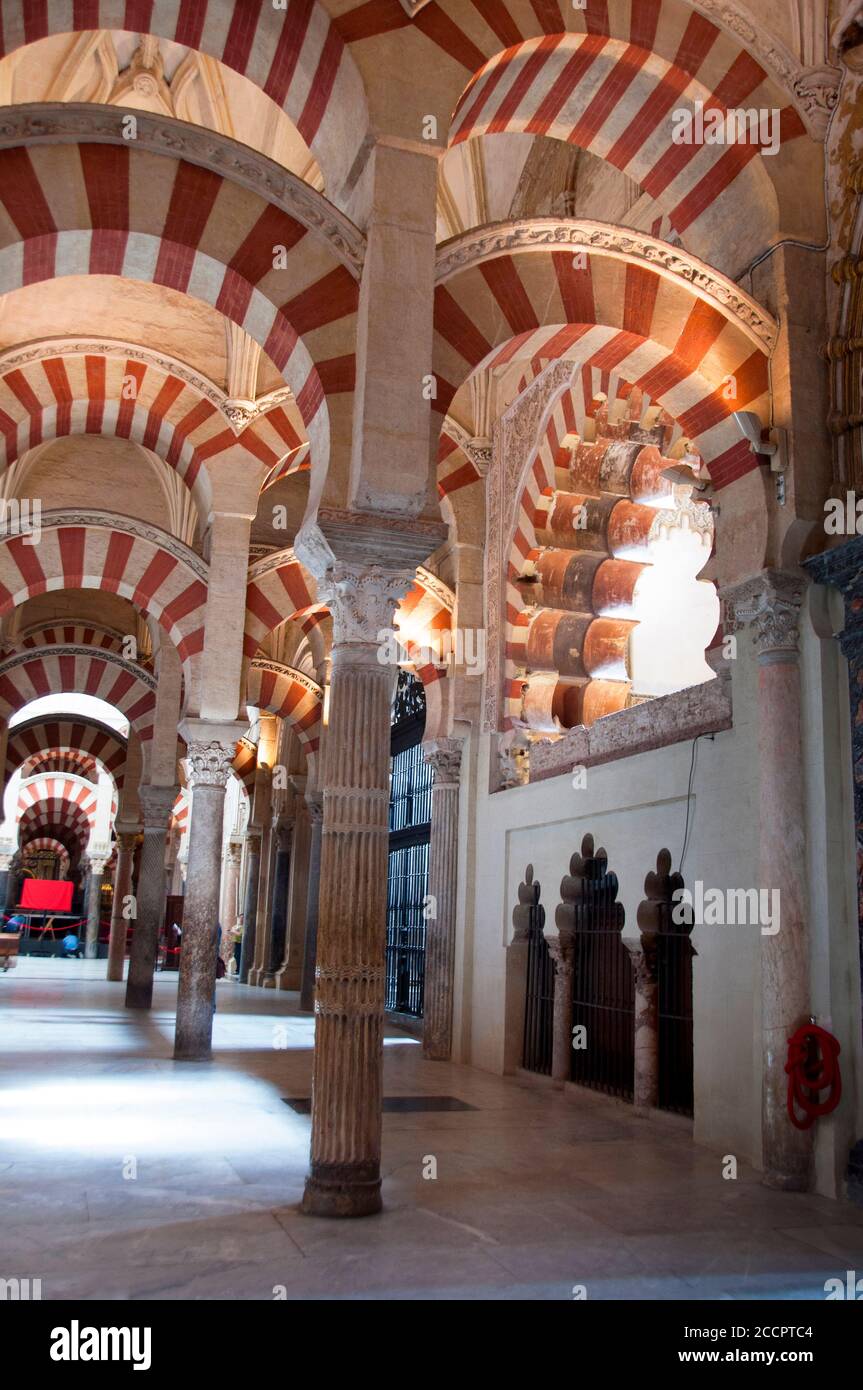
(9, 945)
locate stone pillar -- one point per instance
(229, 901)
(315, 803)
(12, 885)
(282, 838)
(94, 902)
(156, 803)
(344, 1179)
(122, 889)
(562, 950)
(250, 902)
(209, 763)
(5, 876)
(771, 602)
(444, 756)
(645, 1089)
(516, 971)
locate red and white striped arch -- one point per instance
(620, 316)
(290, 694)
(31, 675)
(279, 588)
(51, 802)
(106, 209)
(617, 100)
(162, 578)
(79, 736)
(62, 760)
(93, 393)
(42, 843)
(294, 53)
(75, 635)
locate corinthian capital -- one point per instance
(443, 756)
(362, 599)
(209, 763)
(771, 602)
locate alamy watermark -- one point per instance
(727, 907)
(21, 517)
(446, 649)
(700, 125)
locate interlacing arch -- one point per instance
(684, 349)
(124, 397)
(603, 604)
(294, 54)
(113, 209)
(99, 550)
(77, 736)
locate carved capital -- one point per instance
(126, 841)
(771, 602)
(443, 756)
(362, 600)
(315, 804)
(209, 763)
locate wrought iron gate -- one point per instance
(603, 983)
(408, 863)
(674, 953)
(539, 999)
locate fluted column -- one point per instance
(94, 902)
(209, 763)
(282, 840)
(315, 803)
(346, 1096)
(250, 902)
(444, 757)
(772, 602)
(122, 890)
(156, 803)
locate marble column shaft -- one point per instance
(94, 903)
(250, 903)
(772, 603)
(229, 900)
(282, 835)
(209, 764)
(156, 803)
(314, 801)
(122, 890)
(444, 756)
(344, 1177)
(561, 949)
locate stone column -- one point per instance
(94, 902)
(250, 902)
(156, 803)
(562, 950)
(5, 876)
(645, 1090)
(122, 889)
(347, 1090)
(315, 803)
(282, 837)
(444, 756)
(209, 763)
(771, 602)
(229, 900)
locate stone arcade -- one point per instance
(428, 561)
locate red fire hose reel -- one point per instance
(812, 1067)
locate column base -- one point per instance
(787, 1182)
(342, 1190)
(138, 996)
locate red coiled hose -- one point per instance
(812, 1067)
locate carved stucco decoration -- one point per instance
(279, 668)
(54, 122)
(543, 233)
(238, 415)
(772, 603)
(145, 532)
(815, 89)
(515, 440)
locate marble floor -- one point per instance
(126, 1176)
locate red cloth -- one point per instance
(47, 895)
